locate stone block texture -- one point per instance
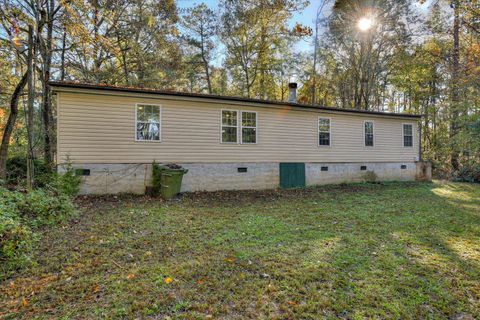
(134, 178)
(352, 172)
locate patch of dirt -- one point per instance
(228, 198)
(96, 202)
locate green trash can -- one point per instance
(171, 181)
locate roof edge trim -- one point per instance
(74, 85)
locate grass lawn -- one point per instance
(396, 250)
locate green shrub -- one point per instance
(370, 176)
(20, 214)
(43, 207)
(16, 242)
(9, 199)
(156, 173)
(16, 238)
(17, 171)
(468, 172)
(69, 182)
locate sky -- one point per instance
(306, 18)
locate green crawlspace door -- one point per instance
(292, 175)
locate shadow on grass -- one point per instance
(374, 255)
(398, 250)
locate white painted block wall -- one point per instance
(133, 178)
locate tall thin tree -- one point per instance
(455, 112)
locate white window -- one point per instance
(229, 126)
(323, 131)
(249, 127)
(369, 133)
(239, 127)
(147, 122)
(407, 135)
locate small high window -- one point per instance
(369, 134)
(148, 122)
(323, 131)
(408, 135)
(229, 126)
(249, 127)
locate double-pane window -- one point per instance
(148, 122)
(249, 127)
(229, 126)
(369, 134)
(408, 135)
(239, 126)
(323, 131)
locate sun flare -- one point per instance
(365, 24)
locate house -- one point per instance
(114, 134)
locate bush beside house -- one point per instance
(23, 213)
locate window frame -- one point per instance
(160, 116)
(240, 140)
(365, 134)
(403, 135)
(329, 132)
(222, 125)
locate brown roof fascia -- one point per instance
(76, 85)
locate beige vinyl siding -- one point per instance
(100, 128)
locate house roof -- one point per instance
(77, 85)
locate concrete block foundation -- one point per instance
(358, 172)
(134, 178)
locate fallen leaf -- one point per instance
(96, 288)
(292, 303)
(131, 276)
(25, 302)
(230, 260)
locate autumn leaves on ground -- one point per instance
(397, 250)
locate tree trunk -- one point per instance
(62, 56)
(47, 118)
(454, 125)
(47, 114)
(247, 80)
(205, 62)
(29, 113)
(7, 132)
(314, 69)
(207, 73)
(96, 44)
(124, 59)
